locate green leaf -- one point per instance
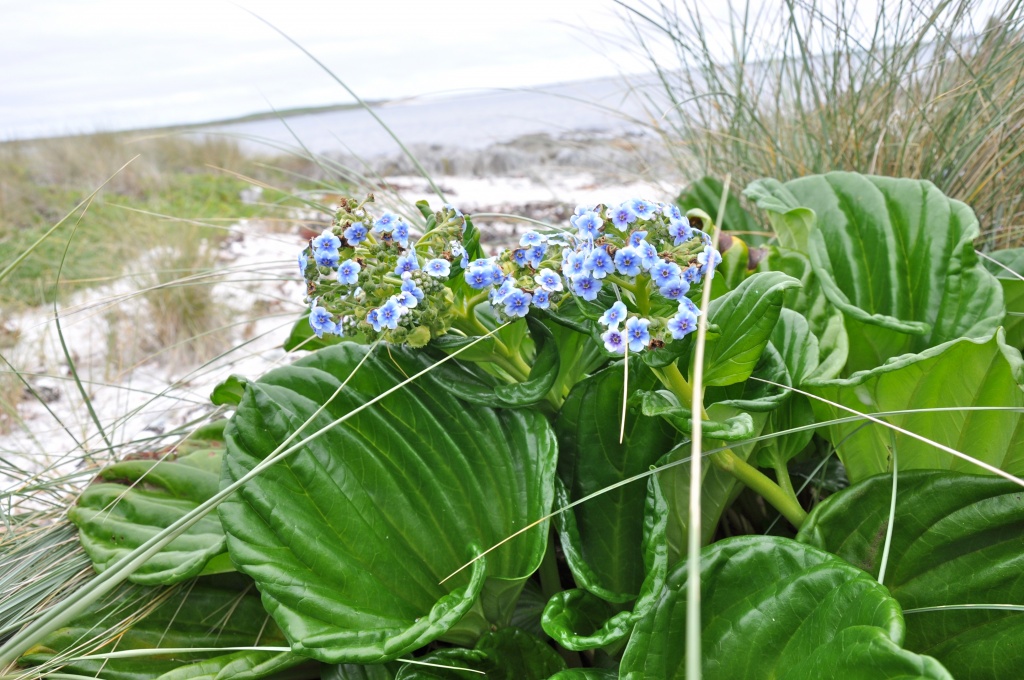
(352, 671)
(507, 654)
(580, 620)
(138, 499)
(746, 317)
(956, 540)
(1012, 282)
(223, 611)
(228, 392)
(543, 373)
(349, 538)
(605, 555)
(586, 674)
(895, 255)
(664, 404)
(773, 608)
(962, 373)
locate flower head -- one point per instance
(326, 241)
(407, 263)
(614, 341)
(614, 315)
(517, 303)
(355, 234)
(320, 321)
(438, 268)
(385, 223)
(637, 334)
(348, 272)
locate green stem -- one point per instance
(621, 283)
(673, 379)
(643, 295)
(782, 475)
(550, 581)
(765, 487)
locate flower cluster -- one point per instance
(365, 275)
(647, 254)
(629, 266)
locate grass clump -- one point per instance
(928, 89)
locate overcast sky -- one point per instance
(82, 65)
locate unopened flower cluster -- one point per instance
(630, 266)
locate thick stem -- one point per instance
(673, 379)
(782, 474)
(765, 487)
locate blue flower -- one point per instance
(406, 300)
(541, 298)
(648, 255)
(600, 263)
(320, 321)
(355, 234)
(407, 263)
(686, 305)
(636, 237)
(389, 313)
(682, 324)
(409, 286)
(627, 261)
(303, 261)
(401, 234)
(438, 268)
(674, 289)
(708, 256)
(373, 318)
(588, 225)
(481, 273)
(680, 231)
(548, 280)
(517, 303)
(636, 333)
(643, 209)
(536, 255)
(575, 265)
(614, 315)
(519, 257)
(623, 216)
(385, 223)
(326, 241)
(348, 272)
(614, 341)
(327, 258)
(691, 274)
(672, 212)
(531, 239)
(504, 290)
(663, 272)
(586, 287)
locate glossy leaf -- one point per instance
(228, 392)
(605, 555)
(745, 317)
(132, 501)
(773, 608)
(956, 540)
(962, 373)
(302, 337)
(349, 538)
(586, 674)
(580, 620)
(895, 255)
(223, 611)
(543, 372)
(1008, 268)
(352, 671)
(507, 654)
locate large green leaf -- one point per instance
(507, 654)
(745, 317)
(895, 255)
(962, 373)
(1009, 269)
(134, 500)
(223, 611)
(956, 539)
(350, 537)
(604, 554)
(706, 194)
(580, 620)
(773, 608)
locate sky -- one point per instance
(69, 66)
(83, 65)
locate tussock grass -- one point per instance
(929, 89)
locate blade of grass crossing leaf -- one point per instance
(118, 572)
(942, 447)
(625, 390)
(892, 511)
(693, 623)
